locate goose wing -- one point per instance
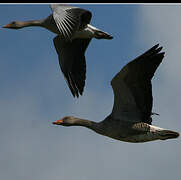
(72, 62)
(133, 89)
(70, 19)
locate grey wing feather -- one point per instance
(56, 7)
(69, 19)
(72, 62)
(132, 85)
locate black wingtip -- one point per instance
(155, 46)
(162, 53)
(155, 50)
(159, 49)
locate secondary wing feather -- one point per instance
(70, 19)
(73, 65)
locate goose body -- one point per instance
(87, 32)
(130, 119)
(74, 33)
(134, 132)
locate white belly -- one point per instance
(84, 34)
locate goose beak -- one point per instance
(58, 122)
(7, 26)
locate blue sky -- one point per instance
(34, 93)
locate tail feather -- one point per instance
(168, 134)
(102, 35)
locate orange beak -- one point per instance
(58, 122)
(7, 26)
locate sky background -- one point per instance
(34, 93)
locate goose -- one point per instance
(74, 33)
(130, 119)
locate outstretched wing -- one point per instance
(72, 62)
(70, 19)
(132, 86)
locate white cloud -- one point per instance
(161, 24)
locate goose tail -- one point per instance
(102, 35)
(168, 134)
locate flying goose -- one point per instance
(74, 33)
(130, 120)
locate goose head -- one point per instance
(66, 121)
(14, 25)
(74, 121)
